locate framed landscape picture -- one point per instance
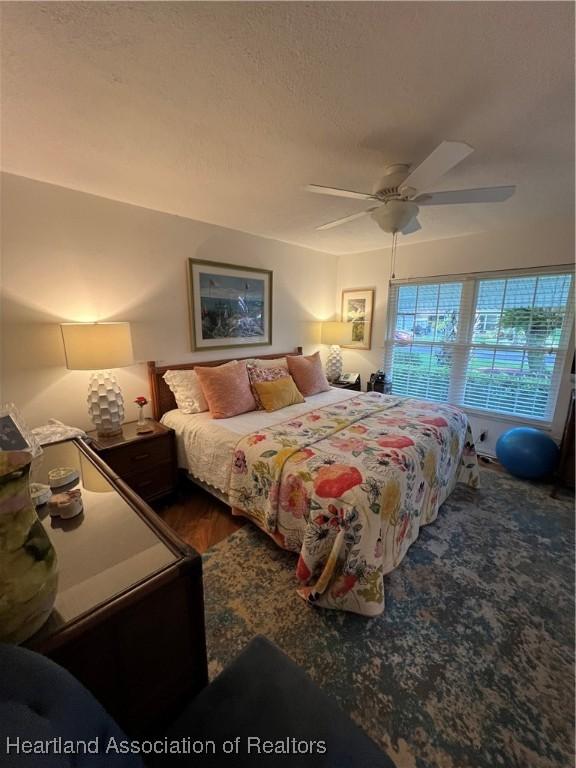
(357, 309)
(230, 306)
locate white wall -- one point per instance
(544, 243)
(69, 256)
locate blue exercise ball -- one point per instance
(527, 453)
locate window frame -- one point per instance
(463, 346)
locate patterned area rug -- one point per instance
(471, 665)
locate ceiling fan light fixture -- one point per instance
(400, 195)
(394, 215)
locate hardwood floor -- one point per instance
(197, 517)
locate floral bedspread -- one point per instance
(348, 486)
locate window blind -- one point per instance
(489, 343)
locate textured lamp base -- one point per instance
(334, 363)
(105, 404)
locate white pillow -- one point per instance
(185, 387)
(275, 362)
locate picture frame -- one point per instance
(14, 433)
(230, 305)
(357, 308)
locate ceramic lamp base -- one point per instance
(334, 363)
(105, 404)
(115, 433)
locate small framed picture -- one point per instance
(357, 308)
(230, 306)
(14, 434)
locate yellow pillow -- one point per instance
(278, 393)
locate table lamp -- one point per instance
(98, 347)
(335, 334)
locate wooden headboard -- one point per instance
(162, 397)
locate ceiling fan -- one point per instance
(402, 193)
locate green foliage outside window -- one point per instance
(537, 323)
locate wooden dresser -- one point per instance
(128, 620)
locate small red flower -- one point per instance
(141, 401)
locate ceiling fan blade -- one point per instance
(411, 227)
(339, 192)
(440, 161)
(457, 196)
(345, 220)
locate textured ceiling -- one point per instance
(223, 111)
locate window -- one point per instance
(426, 327)
(486, 343)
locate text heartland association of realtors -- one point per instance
(250, 745)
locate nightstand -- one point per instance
(147, 462)
(355, 385)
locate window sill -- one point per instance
(545, 426)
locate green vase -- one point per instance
(28, 567)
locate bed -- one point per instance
(344, 480)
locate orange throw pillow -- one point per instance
(226, 389)
(308, 374)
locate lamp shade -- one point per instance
(311, 331)
(336, 333)
(97, 346)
